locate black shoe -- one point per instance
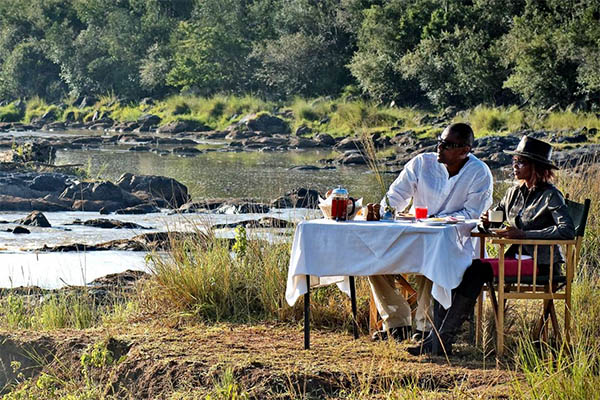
(439, 342)
(419, 335)
(399, 333)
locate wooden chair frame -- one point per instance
(547, 288)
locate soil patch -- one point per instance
(156, 359)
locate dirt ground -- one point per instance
(159, 359)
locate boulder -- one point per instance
(36, 218)
(146, 122)
(186, 151)
(350, 143)
(183, 126)
(325, 139)
(50, 183)
(107, 206)
(351, 157)
(105, 223)
(20, 230)
(11, 203)
(303, 130)
(265, 123)
(139, 209)
(171, 191)
(243, 206)
(303, 143)
(297, 198)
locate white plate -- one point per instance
(434, 223)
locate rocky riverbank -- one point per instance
(265, 132)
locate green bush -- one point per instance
(10, 113)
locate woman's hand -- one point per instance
(485, 220)
(511, 233)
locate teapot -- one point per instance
(340, 203)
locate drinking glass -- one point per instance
(420, 212)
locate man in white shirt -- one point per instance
(451, 182)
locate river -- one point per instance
(213, 174)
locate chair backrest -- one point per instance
(579, 214)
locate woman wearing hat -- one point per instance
(534, 209)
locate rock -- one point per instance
(258, 142)
(104, 191)
(351, 157)
(11, 203)
(303, 143)
(139, 148)
(146, 122)
(237, 134)
(202, 205)
(20, 230)
(183, 126)
(265, 123)
(121, 279)
(97, 205)
(580, 138)
(105, 223)
(54, 126)
(350, 143)
(126, 126)
(325, 139)
(160, 187)
(303, 130)
(265, 222)
(243, 207)
(186, 151)
(36, 218)
(139, 209)
(149, 119)
(50, 183)
(297, 198)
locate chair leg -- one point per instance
(554, 320)
(479, 319)
(500, 322)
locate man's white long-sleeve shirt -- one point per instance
(467, 194)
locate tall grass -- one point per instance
(203, 277)
(76, 310)
(492, 120)
(211, 279)
(10, 113)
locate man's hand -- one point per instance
(511, 233)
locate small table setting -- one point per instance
(335, 250)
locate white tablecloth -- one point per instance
(331, 251)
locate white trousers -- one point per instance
(393, 307)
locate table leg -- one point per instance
(307, 314)
(436, 325)
(353, 302)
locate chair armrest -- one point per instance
(533, 241)
(482, 235)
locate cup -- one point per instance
(420, 212)
(496, 216)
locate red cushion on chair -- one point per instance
(511, 266)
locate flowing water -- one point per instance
(213, 174)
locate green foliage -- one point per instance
(241, 241)
(227, 388)
(487, 120)
(10, 113)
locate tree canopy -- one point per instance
(414, 52)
